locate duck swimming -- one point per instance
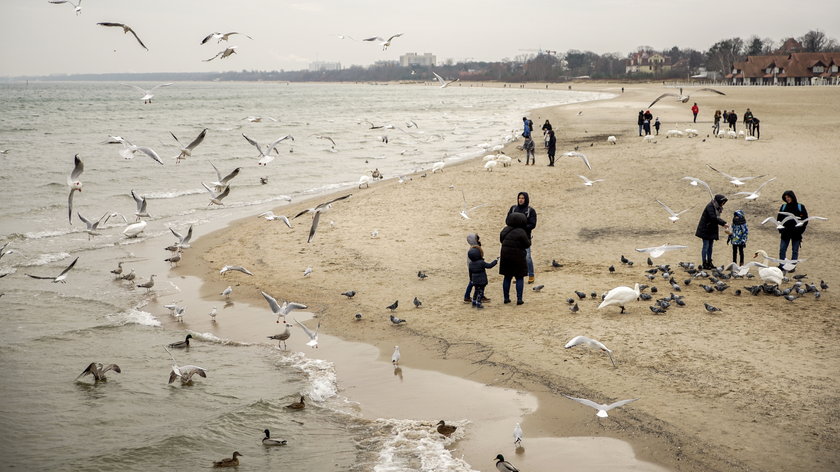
(297, 405)
(445, 429)
(182, 344)
(228, 462)
(267, 441)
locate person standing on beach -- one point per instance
(725, 116)
(791, 233)
(512, 257)
(756, 130)
(475, 243)
(738, 236)
(552, 147)
(641, 121)
(527, 126)
(523, 206)
(748, 116)
(733, 120)
(478, 274)
(529, 147)
(716, 126)
(545, 129)
(656, 125)
(695, 110)
(646, 124)
(707, 228)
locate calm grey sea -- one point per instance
(50, 332)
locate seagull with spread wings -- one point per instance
(126, 29)
(735, 180)
(443, 82)
(76, 6)
(75, 184)
(383, 42)
(313, 336)
(284, 309)
(684, 98)
(223, 182)
(675, 215)
(62, 277)
(697, 182)
(128, 151)
(581, 155)
(265, 156)
(186, 151)
(602, 409)
(225, 53)
(91, 226)
(147, 95)
(221, 36)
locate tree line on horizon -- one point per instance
(548, 66)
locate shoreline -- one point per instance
(660, 439)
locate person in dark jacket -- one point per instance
(733, 120)
(552, 147)
(755, 128)
(478, 274)
(512, 263)
(707, 228)
(522, 206)
(527, 127)
(646, 123)
(474, 241)
(738, 236)
(641, 121)
(791, 232)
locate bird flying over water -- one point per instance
(265, 156)
(443, 82)
(147, 98)
(62, 277)
(126, 29)
(76, 6)
(75, 184)
(186, 151)
(225, 53)
(383, 42)
(313, 336)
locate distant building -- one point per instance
(386, 63)
(319, 66)
(412, 59)
(647, 62)
(798, 68)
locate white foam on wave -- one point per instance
(212, 338)
(47, 258)
(48, 234)
(175, 194)
(416, 445)
(134, 316)
(320, 373)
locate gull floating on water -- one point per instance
(443, 82)
(186, 372)
(126, 29)
(62, 277)
(583, 340)
(186, 151)
(147, 97)
(675, 215)
(75, 184)
(221, 36)
(383, 42)
(659, 250)
(284, 309)
(265, 156)
(224, 53)
(735, 180)
(756, 193)
(602, 409)
(578, 154)
(313, 336)
(97, 371)
(76, 6)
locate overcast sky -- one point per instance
(38, 38)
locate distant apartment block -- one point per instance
(413, 59)
(319, 66)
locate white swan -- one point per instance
(131, 231)
(772, 275)
(620, 296)
(611, 139)
(787, 264)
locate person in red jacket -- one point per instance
(695, 109)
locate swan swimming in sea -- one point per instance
(620, 296)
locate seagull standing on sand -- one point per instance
(675, 215)
(383, 42)
(226, 292)
(602, 409)
(76, 6)
(147, 94)
(186, 151)
(583, 340)
(126, 29)
(62, 277)
(148, 284)
(75, 184)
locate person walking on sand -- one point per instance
(738, 236)
(512, 257)
(791, 233)
(522, 206)
(478, 274)
(475, 243)
(707, 228)
(716, 126)
(733, 120)
(552, 147)
(656, 125)
(641, 121)
(695, 110)
(529, 147)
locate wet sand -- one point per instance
(750, 388)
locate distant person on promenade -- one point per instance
(695, 110)
(716, 127)
(733, 120)
(512, 257)
(552, 147)
(748, 117)
(707, 228)
(523, 206)
(528, 147)
(657, 124)
(641, 121)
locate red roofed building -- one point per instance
(798, 68)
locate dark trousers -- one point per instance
(706, 252)
(756, 131)
(551, 152)
(478, 294)
(647, 128)
(794, 251)
(732, 125)
(469, 289)
(695, 117)
(738, 250)
(520, 287)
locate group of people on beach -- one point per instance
(530, 148)
(644, 122)
(514, 257)
(751, 122)
(790, 233)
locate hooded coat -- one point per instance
(477, 266)
(514, 243)
(740, 232)
(710, 220)
(530, 213)
(791, 231)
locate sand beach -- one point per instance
(750, 388)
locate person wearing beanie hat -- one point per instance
(707, 228)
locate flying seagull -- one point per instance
(183, 240)
(91, 226)
(77, 6)
(216, 197)
(443, 82)
(284, 309)
(588, 182)
(223, 182)
(322, 206)
(602, 409)
(141, 206)
(382, 42)
(75, 184)
(236, 268)
(313, 337)
(270, 216)
(578, 154)
(265, 156)
(695, 182)
(684, 98)
(128, 151)
(126, 29)
(735, 180)
(755, 194)
(221, 36)
(186, 151)
(225, 53)
(675, 215)
(147, 98)
(659, 250)
(62, 277)
(583, 340)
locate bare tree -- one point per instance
(814, 41)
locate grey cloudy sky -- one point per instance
(37, 37)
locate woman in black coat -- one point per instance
(791, 232)
(707, 228)
(512, 262)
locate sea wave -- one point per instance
(43, 259)
(212, 338)
(416, 445)
(323, 383)
(133, 316)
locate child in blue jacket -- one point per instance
(738, 236)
